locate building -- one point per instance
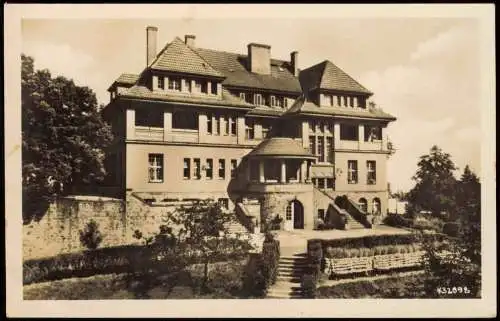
(247, 129)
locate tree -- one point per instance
(435, 186)
(202, 230)
(461, 266)
(63, 138)
(91, 237)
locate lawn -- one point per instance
(225, 283)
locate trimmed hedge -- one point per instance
(308, 286)
(121, 259)
(368, 242)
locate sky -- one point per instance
(424, 71)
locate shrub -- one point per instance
(254, 281)
(270, 257)
(397, 220)
(308, 286)
(90, 237)
(451, 228)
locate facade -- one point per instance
(245, 130)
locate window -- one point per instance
(351, 101)
(315, 181)
(321, 183)
(232, 125)
(209, 124)
(339, 100)
(321, 214)
(197, 169)
(321, 150)
(331, 100)
(273, 101)
(373, 133)
(288, 213)
(242, 96)
(257, 99)
(272, 170)
(214, 88)
(329, 150)
(363, 204)
(217, 125)
(226, 125)
(312, 144)
(254, 171)
(234, 164)
(148, 117)
(345, 100)
(376, 206)
(161, 82)
(185, 120)
(371, 172)
(223, 203)
(187, 168)
(204, 87)
(222, 168)
(266, 128)
(155, 168)
(189, 86)
(348, 132)
(174, 84)
(352, 172)
(249, 129)
(197, 86)
(329, 183)
(209, 168)
(285, 102)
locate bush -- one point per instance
(396, 220)
(362, 242)
(90, 237)
(254, 281)
(308, 286)
(451, 228)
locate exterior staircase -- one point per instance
(353, 224)
(290, 270)
(236, 228)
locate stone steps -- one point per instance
(288, 283)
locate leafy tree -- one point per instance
(63, 137)
(202, 230)
(461, 266)
(435, 186)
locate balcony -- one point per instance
(183, 136)
(148, 133)
(277, 187)
(376, 145)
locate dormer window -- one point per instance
(242, 96)
(257, 99)
(214, 88)
(201, 86)
(161, 82)
(351, 101)
(174, 84)
(273, 101)
(339, 100)
(285, 102)
(330, 97)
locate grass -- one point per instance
(225, 282)
(409, 286)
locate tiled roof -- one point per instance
(178, 57)
(280, 146)
(126, 78)
(227, 98)
(234, 67)
(326, 75)
(307, 107)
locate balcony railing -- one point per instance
(148, 133)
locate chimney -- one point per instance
(259, 58)
(151, 39)
(189, 40)
(294, 61)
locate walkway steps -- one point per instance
(290, 271)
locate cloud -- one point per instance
(63, 60)
(436, 99)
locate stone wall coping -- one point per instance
(90, 198)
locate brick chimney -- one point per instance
(189, 40)
(294, 61)
(151, 40)
(259, 58)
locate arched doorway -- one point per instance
(294, 217)
(376, 206)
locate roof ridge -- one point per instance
(196, 53)
(239, 54)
